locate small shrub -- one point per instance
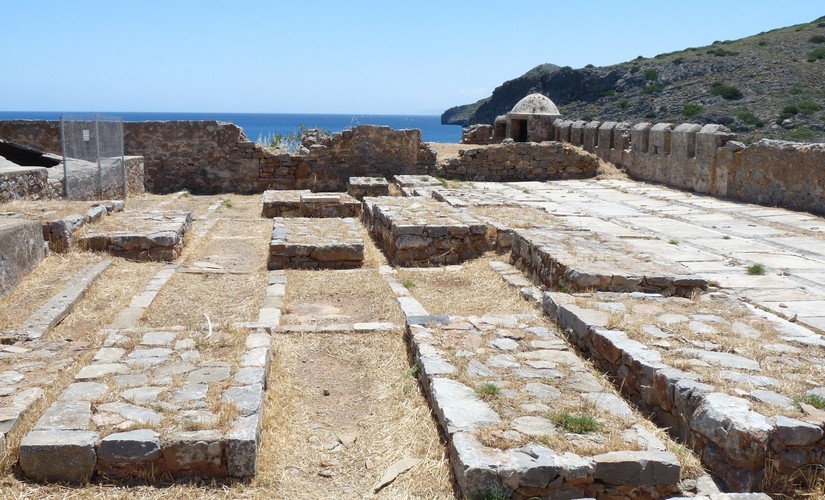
(575, 423)
(796, 89)
(227, 204)
(801, 134)
(816, 54)
(808, 107)
(692, 109)
(722, 52)
(408, 283)
(489, 494)
(762, 43)
(650, 115)
(749, 118)
(589, 66)
(488, 390)
(651, 74)
(639, 58)
(814, 400)
(727, 92)
(820, 25)
(678, 61)
(817, 39)
(653, 88)
(622, 103)
(756, 269)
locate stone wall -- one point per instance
(707, 159)
(214, 157)
(24, 182)
(480, 133)
(520, 161)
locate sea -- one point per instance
(261, 126)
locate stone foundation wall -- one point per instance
(520, 161)
(25, 183)
(707, 159)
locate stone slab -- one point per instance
(21, 250)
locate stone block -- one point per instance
(21, 250)
(129, 449)
(195, 452)
(242, 443)
(315, 243)
(637, 468)
(58, 456)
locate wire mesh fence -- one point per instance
(93, 163)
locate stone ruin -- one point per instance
(644, 282)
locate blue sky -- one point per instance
(356, 56)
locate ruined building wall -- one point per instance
(214, 157)
(519, 161)
(707, 159)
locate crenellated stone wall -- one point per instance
(707, 159)
(519, 161)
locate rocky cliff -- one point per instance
(765, 86)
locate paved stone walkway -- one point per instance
(716, 239)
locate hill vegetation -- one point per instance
(769, 85)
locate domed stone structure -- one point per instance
(535, 104)
(529, 120)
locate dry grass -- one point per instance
(370, 396)
(188, 298)
(224, 298)
(516, 217)
(47, 209)
(45, 281)
(110, 293)
(198, 205)
(473, 289)
(105, 297)
(359, 295)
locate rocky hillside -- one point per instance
(771, 85)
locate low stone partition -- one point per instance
(25, 183)
(308, 204)
(504, 391)
(59, 233)
(520, 161)
(359, 187)
(740, 386)
(140, 236)
(581, 261)
(417, 185)
(153, 403)
(319, 243)
(21, 250)
(414, 231)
